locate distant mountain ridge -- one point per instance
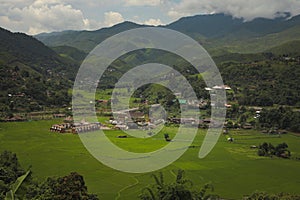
(84, 40)
(219, 25)
(217, 31)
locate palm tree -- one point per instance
(178, 190)
(11, 194)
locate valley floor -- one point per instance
(233, 168)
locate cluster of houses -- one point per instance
(192, 122)
(75, 128)
(152, 124)
(86, 127)
(133, 119)
(62, 128)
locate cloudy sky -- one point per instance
(36, 16)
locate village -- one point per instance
(137, 118)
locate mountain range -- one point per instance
(37, 71)
(217, 33)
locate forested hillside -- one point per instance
(265, 82)
(32, 75)
(258, 59)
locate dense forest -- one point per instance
(274, 80)
(32, 76)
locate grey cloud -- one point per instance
(247, 9)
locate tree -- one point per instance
(281, 117)
(267, 149)
(10, 170)
(282, 151)
(180, 189)
(17, 186)
(70, 187)
(167, 137)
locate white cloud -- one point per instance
(45, 16)
(153, 22)
(142, 2)
(247, 9)
(111, 18)
(35, 16)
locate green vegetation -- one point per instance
(10, 170)
(266, 196)
(68, 187)
(180, 189)
(291, 48)
(259, 60)
(70, 53)
(257, 79)
(280, 118)
(232, 168)
(16, 184)
(280, 150)
(32, 75)
(84, 40)
(217, 32)
(264, 83)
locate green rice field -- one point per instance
(233, 168)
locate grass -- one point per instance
(233, 168)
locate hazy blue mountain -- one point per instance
(209, 26)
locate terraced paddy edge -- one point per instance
(233, 168)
